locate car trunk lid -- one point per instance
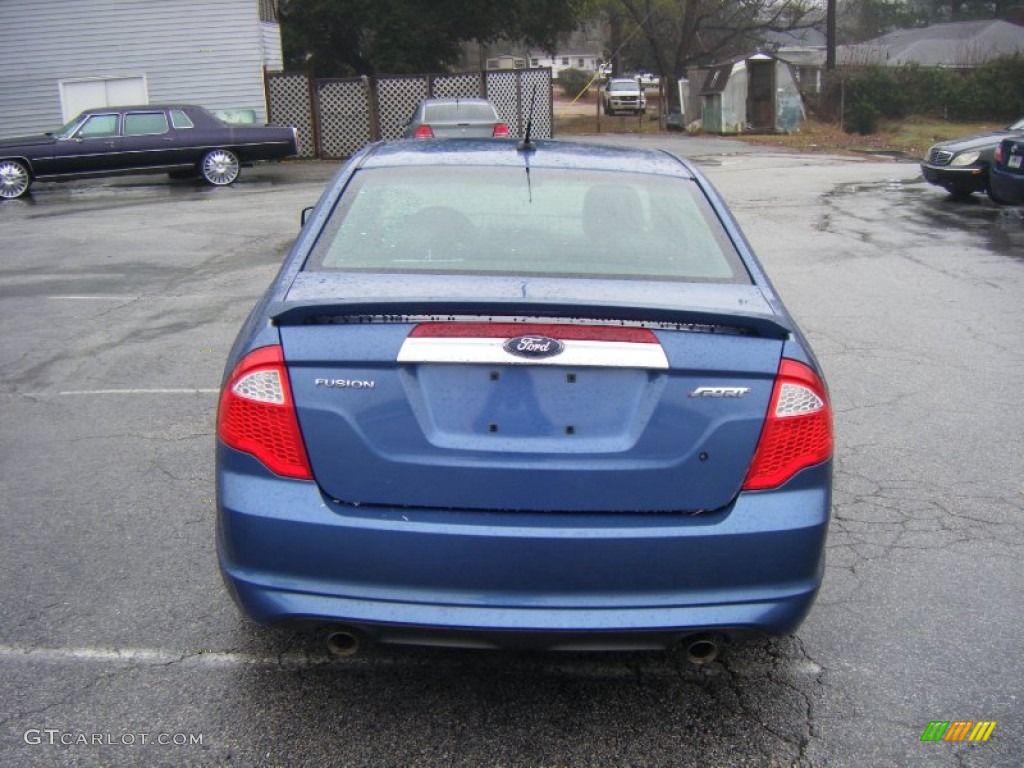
(455, 129)
(588, 407)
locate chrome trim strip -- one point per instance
(953, 169)
(577, 354)
(168, 148)
(126, 171)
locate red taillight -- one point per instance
(797, 432)
(500, 131)
(257, 414)
(424, 132)
(999, 154)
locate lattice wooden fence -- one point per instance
(337, 117)
(290, 102)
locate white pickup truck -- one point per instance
(623, 94)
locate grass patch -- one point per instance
(919, 133)
(580, 116)
(566, 125)
(911, 137)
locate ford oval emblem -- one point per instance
(534, 346)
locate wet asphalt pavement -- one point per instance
(119, 300)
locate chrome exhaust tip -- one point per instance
(701, 650)
(342, 643)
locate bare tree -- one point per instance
(684, 33)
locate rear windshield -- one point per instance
(452, 112)
(475, 220)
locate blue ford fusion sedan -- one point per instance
(523, 395)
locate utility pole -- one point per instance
(830, 35)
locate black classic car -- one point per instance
(180, 139)
(960, 166)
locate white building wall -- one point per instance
(206, 52)
(273, 57)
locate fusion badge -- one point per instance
(345, 383)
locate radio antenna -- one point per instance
(526, 145)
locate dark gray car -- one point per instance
(455, 118)
(960, 166)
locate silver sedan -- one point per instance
(455, 118)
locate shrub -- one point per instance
(574, 80)
(861, 118)
(989, 92)
(993, 90)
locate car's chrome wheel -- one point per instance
(219, 167)
(14, 179)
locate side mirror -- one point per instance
(305, 215)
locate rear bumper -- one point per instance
(1008, 187)
(519, 579)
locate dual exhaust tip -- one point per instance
(700, 650)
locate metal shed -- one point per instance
(751, 94)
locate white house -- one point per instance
(558, 61)
(59, 57)
(804, 51)
(506, 61)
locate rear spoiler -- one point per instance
(461, 310)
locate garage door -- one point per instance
(79, 95)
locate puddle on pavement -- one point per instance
(922, 208)
(78, 196)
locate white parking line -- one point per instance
(107, 297)
(158, 657)
(96, 298)
(100, 392)
(196, 391)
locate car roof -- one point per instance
(546, 153)
(453, 102)
(140, 108)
